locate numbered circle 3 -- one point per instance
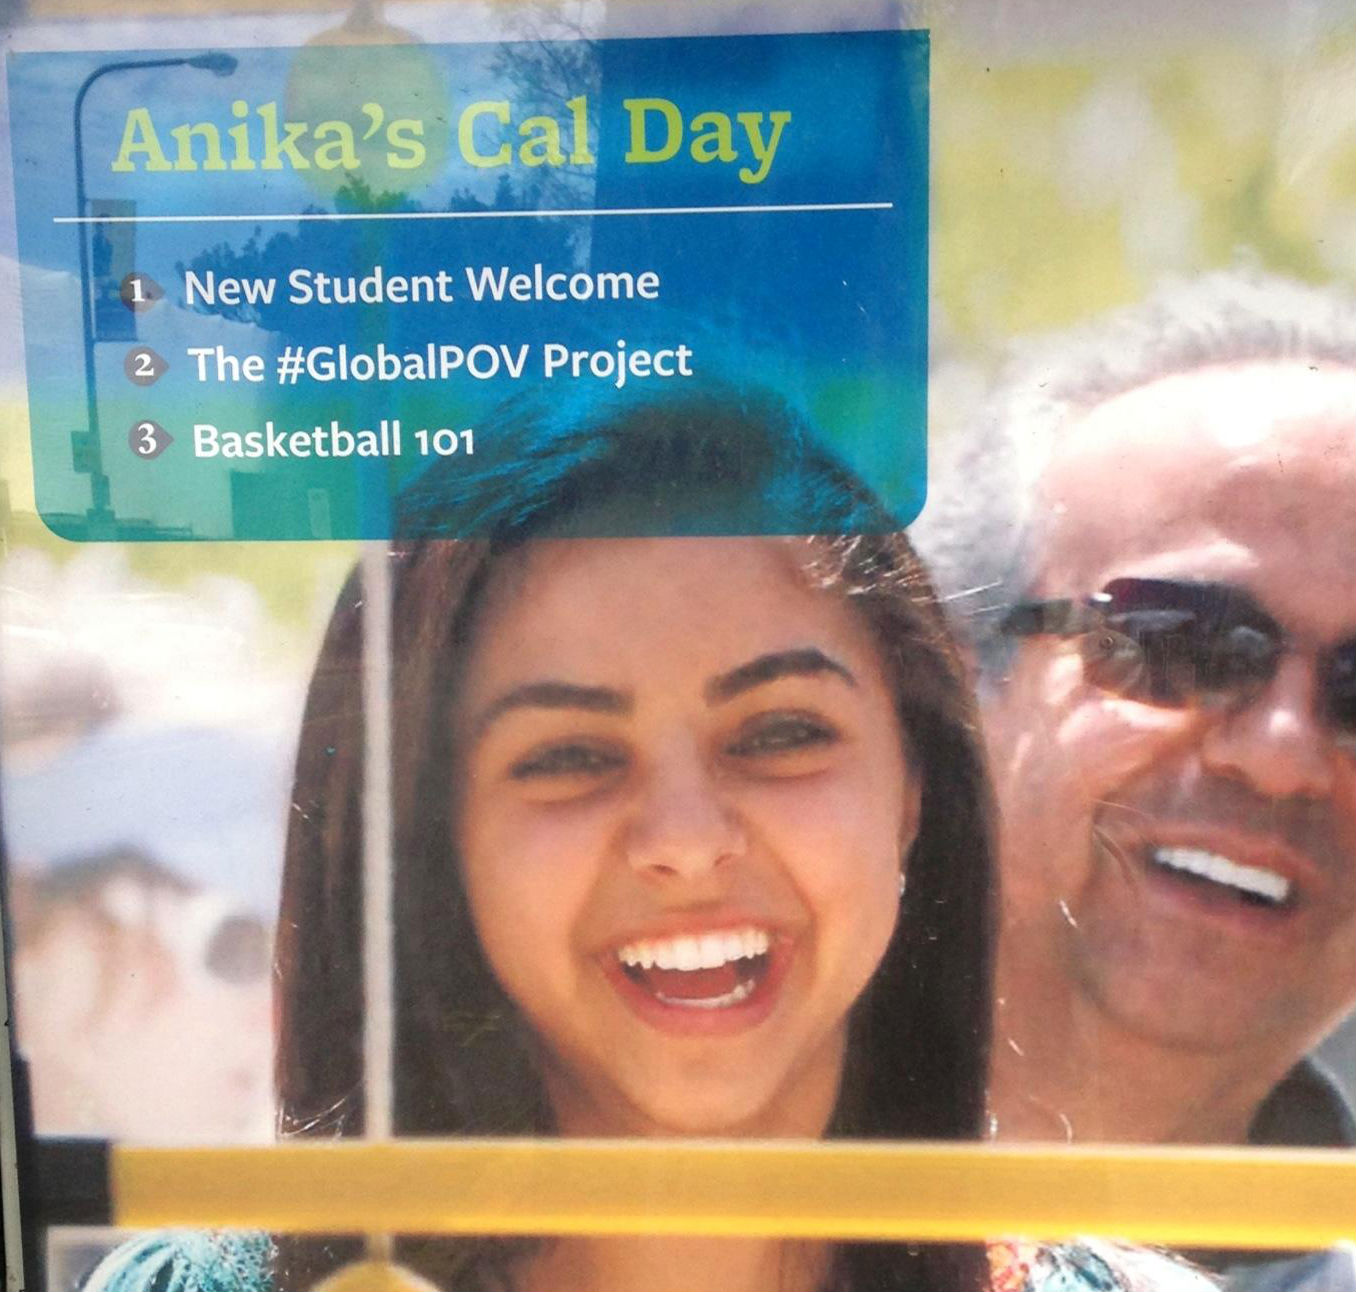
(148, 439)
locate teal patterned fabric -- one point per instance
(1091, 1265)
(204, 1261)
(187, 1260)
(1072, 1267)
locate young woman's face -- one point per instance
(683, 802)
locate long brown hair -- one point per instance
(718, 462)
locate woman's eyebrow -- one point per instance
(804, 662)
(555, 695)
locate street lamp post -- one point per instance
(219, 64)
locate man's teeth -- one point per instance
(700, 951)
(1220, 870)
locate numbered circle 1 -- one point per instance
(148, 439)
(143, 366)
(139, 291)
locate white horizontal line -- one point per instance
(472, 215)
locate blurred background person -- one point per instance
(144, 776)
(143, 1003)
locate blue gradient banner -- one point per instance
(267, 291)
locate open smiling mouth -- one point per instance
(1210, 871)
(699, 971)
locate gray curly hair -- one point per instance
(977, 532)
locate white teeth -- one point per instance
(742, 992)
(699, 951)
(1220, 870)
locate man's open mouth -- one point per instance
(699, 971)
(1253, 885)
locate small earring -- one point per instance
(903, 883)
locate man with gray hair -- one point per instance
(1151, 544)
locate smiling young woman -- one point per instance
(655, 802)
(681, 833)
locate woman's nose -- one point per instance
(682, 823)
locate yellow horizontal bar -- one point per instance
(1176, 1197)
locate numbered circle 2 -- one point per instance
(148, 439)
(143, 366)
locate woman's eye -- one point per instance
(781, 734)
(566, 760)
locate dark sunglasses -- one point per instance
(1173, 643)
